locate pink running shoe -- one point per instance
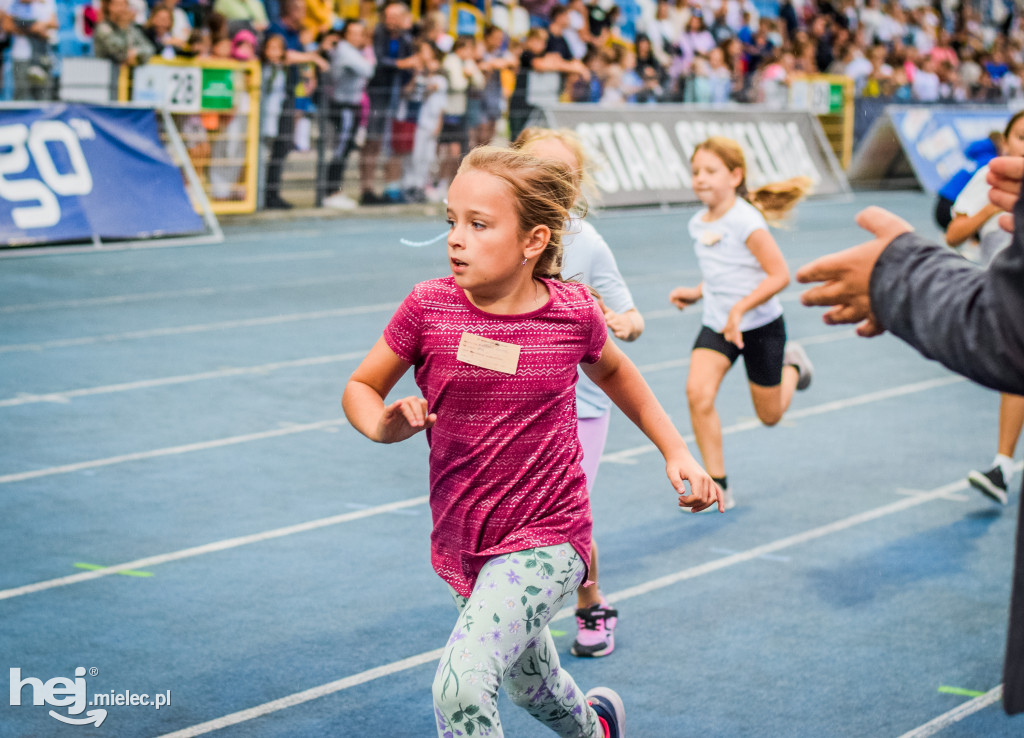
(596, 636)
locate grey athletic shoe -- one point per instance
(794, 355)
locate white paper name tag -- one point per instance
(488, 353)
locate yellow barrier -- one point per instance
(830, 97)
(479, 16)
(216, 106)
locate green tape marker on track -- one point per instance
(125, 572)
(962, 692)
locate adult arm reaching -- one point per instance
(967, 318)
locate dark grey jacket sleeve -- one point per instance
(969, 319)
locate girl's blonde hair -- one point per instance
(774, 200)
(543, 192)
(567, 137)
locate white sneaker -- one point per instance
(340, 202)
(794, 355)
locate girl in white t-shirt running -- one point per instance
(743, 272)
(587, 258)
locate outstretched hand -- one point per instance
(1005, 174)
(847, 274)
(404, 418)
(703, 491)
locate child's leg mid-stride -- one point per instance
(595, 618)
(708, 368)
(502, 639)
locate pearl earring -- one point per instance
(523, 263)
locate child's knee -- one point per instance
(701, 398)
(521, 693)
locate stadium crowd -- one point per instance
(413, 98)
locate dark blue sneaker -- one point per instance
(610, 711)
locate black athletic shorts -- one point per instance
(762, 350)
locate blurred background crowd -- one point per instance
(412, 88)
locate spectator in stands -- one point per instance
(494, 60)
(352, 66)
(647, 60)
(320, 16)
(651, 90)
(158, 30)
(540, 11)
(719, 76)
(532, 62)
(599, 22)
(463, 76)
(419, 176)
(290, 28)
(181, 26)
(925, 85)
(719, 28)
(119, 38)
(879, 80)
(30, 24)
(589, 90)
(661, 33)
(251, 14)
(558, 24)
(396, 59)
(700, 39)
(433, 27)
(577, 32)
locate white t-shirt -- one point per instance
(730, 270)
(588, 259)
(972, 198)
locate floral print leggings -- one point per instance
(502, 638)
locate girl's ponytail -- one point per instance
(774, 200)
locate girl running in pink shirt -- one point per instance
(495, 349)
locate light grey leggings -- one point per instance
(502, 639)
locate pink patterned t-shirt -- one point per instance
(504, 453)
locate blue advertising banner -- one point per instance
(931, 138)
(72, 173)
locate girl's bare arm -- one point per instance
(369, 385)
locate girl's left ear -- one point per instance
(537, 241)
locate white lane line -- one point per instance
(625, 594)
(197, 328)
(628, 455)
(618, 456)
(68, 395)
(178, 265)
(123, 299)
(207, 548)
(64, 396)
(956, 714)
(170, 451)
